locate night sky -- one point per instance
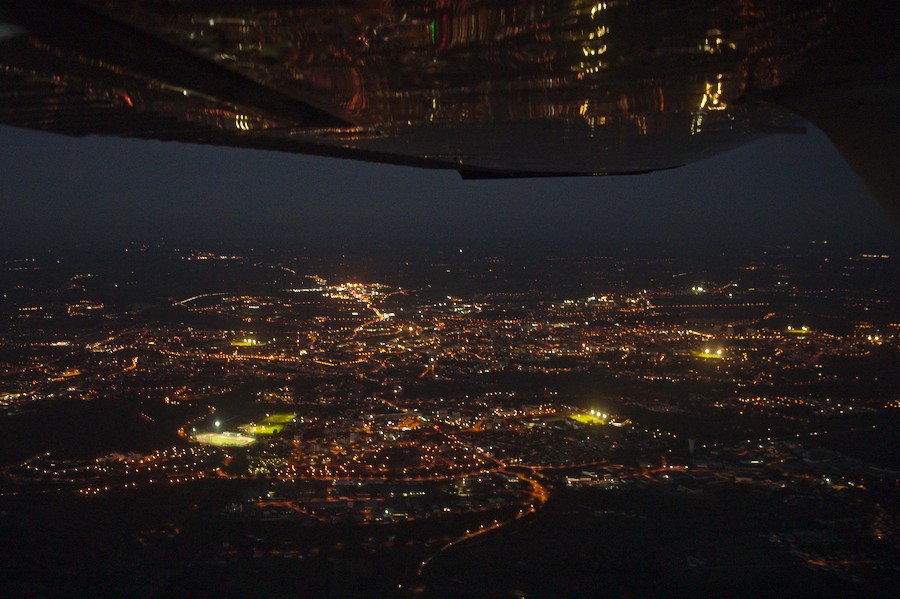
(60, 191)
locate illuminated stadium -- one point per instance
(226, 439)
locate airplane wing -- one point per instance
(509, 88)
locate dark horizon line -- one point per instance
(511, 247)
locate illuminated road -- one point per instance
(539, 497)
(201, 296)
(99, 344)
